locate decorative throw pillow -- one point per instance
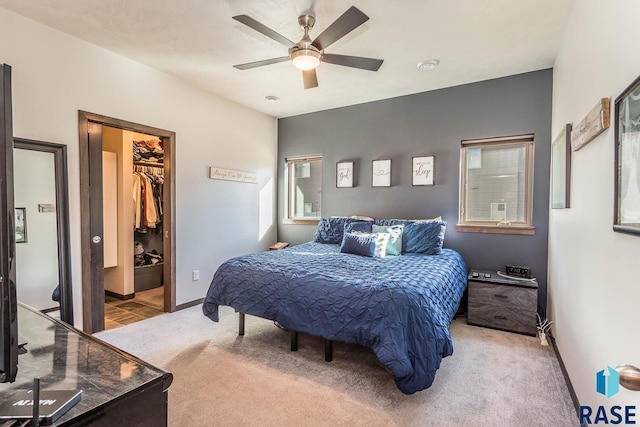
(362, 217)
(424, 237)
(394, 245)
(404, 221)
(330, 230)
(366, 244)
(420, 236)
(361, 226)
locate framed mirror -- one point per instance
(43, 263)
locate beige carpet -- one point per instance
(494, 378)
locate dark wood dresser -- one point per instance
(118, 389)
(502, 303)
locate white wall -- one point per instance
(54, 75)
(119, 278)
(37, 259)
(594, 287)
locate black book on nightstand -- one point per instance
(53, 404)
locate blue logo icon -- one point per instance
(608, 382)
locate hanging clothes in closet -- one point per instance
(147, 198)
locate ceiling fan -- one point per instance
(307, 54)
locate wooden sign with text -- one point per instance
(232, 175)
(591, 126)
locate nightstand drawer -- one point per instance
(502, 295)
(510, 319)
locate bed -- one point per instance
(399, 306)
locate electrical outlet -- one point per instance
(195, 275)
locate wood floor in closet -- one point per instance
(145, 305)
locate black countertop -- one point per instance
(67, 359)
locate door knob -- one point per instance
(629, 377)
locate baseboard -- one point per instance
(565, 374)
(118, 296)
(189, 304)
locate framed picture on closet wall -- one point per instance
(561, 169)
(21, 225)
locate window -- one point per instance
(496, 185)
(303, 183)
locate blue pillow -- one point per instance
(420, 236)
(330, 230)
(361, 226)
(394, 246)
(366, 244)
(424, 237)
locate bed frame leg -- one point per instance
(294, 340)
(328, 350)
(240, 324)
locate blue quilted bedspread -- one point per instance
(400, 306)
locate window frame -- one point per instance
(288, 189)
(498, 227)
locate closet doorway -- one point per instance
(110, 163)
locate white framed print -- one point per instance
(344, 174)
(381, 173)
(423, 170)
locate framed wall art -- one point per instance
(561, 169)
(627, 161)
(344, 174)
(21, 225)
(381, 173)
(422, 170)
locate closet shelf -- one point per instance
(143, 163)
(149, 265)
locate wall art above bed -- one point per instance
(422, 170)
(381, 173)
(344, 174)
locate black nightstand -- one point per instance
(502, 303)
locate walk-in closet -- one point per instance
(133, 183)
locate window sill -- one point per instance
(300, 221)
(496, 229)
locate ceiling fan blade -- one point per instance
(255, 64)
(261, 28)
(310, 78)
(349, 21)
(370, 64)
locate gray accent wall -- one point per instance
(428, 123)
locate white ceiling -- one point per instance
(198, 41)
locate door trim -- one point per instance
(93, 291)
(8, 313)
(59, 152)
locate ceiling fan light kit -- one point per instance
(307, 54)
(305, 59)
